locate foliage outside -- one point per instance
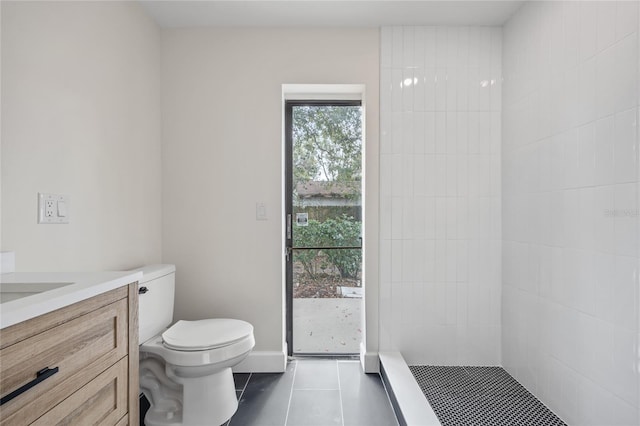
(344, 231)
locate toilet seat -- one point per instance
(192, 356)
(203, 335)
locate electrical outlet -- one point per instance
(49, 208)
(53, 208)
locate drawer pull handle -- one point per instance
(143, 290)
(41, 376)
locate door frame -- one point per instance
(288, 196)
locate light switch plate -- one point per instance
(53, 208)
(261, 211)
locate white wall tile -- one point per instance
(452, 88)
(625, 147)
(385, 220)
(419, 46)
(625, 220)
(603, 220)
(626, 18)
(625, 360)
(430, 82)
(451, 132)
(625, 83)
(440, 221)
(451, 175)
(441, 211)
(574, 164)
(386, 49)
(407, 47)
(419, 89)
(440, 178)
(586, 106)
(396, 89)
(606, 31)
(440, 89)
(440, 132)
(571, 15)
(407, 84)
(588, 22)
(429, 132)
(396, 261)
(604, 147)
(397, 40)
(408, 229)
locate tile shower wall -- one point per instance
(570, 207)
(440, 238)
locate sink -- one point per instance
(13, 291)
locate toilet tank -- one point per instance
(155, 305)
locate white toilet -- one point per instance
(185, 370)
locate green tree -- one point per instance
(327, 143)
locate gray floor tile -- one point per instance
(316, 374)
(364, 399)
(265, 399)
(318, 397)
(315, 407)
(240, 380)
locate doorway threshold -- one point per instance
(336, 357)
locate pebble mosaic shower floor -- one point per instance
(487, 396)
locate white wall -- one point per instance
(81, 116)
(222, 153)
(570, 207)
(440, 194)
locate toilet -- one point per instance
(185, 369)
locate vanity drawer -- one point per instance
(102, 401)
(80, 349)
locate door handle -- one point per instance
(288, 226)
(287, 253)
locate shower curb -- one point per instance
(408, 401)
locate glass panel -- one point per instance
(327, 215)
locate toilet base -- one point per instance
(209, 400)
(200, 401)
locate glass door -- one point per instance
(324, 226)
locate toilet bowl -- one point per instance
(185, 370)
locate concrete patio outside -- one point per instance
(327, 326)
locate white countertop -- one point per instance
(78, 286)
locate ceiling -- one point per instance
(327, 13)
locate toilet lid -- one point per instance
(205, 334)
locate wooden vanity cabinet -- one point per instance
(77, 365)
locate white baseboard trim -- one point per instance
(369, 361)
(263, 362)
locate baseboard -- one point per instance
(369, 360)
(263, 362)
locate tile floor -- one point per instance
(313, 392)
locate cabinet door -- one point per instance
(79, 349)
(102, 401)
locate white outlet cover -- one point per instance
(49, 211)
